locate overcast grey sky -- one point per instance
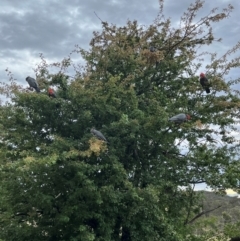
(54, 27)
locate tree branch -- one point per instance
(20, 214)
(197, 182)
(202, 213)
(98, 17)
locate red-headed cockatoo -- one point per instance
(51, 93)
(204, 82)
(180, 118)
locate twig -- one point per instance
(98, 17)
(105, 24)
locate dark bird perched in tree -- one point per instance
(178, 119)
(204, 82)
(33, 83)
(51, 93)
(152, 49)
(98, 134)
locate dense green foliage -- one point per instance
(58, 182)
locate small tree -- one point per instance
(58, 182)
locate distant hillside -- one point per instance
(225, 219)
(229, 205)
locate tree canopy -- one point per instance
(59, 182)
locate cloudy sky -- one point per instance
(54, 27)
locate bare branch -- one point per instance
(202, 213)
(98, 17)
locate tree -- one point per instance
(58, 182)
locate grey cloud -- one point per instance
(54, 27)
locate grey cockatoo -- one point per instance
(98, 134)
(180, 118)
(33, 83)
(152, 49)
